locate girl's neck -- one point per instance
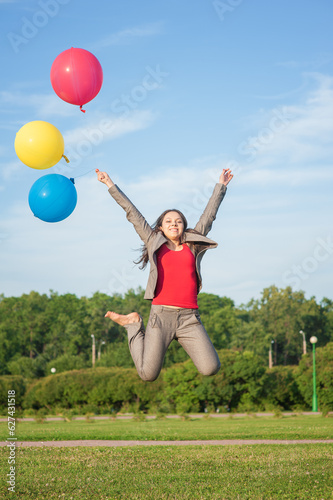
(174, 245)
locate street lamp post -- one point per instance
(304, 341)
(99, 350)
(313, 341)
(93, 350)
(270, 359)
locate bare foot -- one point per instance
(123, 319)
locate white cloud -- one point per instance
(105, 128)
(127, 36)
(95, 247)
(44, 104)
(80, 254)
(295, 135)
(320, 60)
(80, 142)
(271, 218)
(264, 177)
(9, 169)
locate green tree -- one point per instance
(219, 317)
(22, 325)
(67, 362)
(29, 368)
(68, 333)
(324, 377)
(281, 389)
(59, 327)
(279, 315)
(327, 313)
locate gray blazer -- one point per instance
(198, 243)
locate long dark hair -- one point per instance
(143, 260)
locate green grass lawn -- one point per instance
(290, 427)
(300, 471)
(193, 472)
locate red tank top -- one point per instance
(177, 278)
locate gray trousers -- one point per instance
(148, 347)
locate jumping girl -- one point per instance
(174, 253)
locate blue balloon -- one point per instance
(53, 197)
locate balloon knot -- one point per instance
(67, 160)
(83, 110)
(71, 179)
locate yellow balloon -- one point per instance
(39, 144)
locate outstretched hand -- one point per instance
(226, 176)
(104, 177)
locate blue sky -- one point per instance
(190, 87)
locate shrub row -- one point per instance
(242, 384)
(12, 383)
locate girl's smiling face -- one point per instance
(172, 226)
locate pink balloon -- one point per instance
(76, 76)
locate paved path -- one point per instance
(110, 444)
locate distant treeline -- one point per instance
(43, 332)
(40, 332)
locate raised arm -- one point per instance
(132, 213)
(206, 220)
